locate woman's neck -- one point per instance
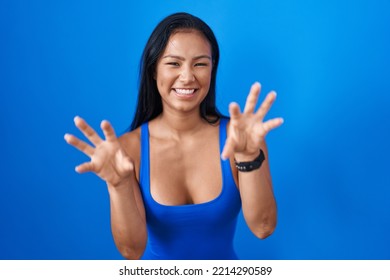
(179, 125)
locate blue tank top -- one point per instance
(202, 231)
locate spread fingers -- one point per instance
(272, 124)
(252, 98)
(266, 105)
(108, 131)
(78, 144)
(88, 131)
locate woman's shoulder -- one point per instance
(131, 142)
(131, 137)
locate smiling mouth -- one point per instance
(185, 91)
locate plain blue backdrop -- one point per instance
(328, 60)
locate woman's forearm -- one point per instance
(128, 223)
(258, 201)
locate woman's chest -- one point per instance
(185, 173)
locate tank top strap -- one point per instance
(144, 159)
(227, 174)
(222, 132)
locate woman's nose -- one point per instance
(187, 75)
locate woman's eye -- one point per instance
(173, 63)
(201, 64)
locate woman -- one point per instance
(173, 194)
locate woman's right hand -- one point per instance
(108, 159)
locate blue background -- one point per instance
(329, 62)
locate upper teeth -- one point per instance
(184, 91)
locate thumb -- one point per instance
(85, 167)
(124, 163)
(228, 149)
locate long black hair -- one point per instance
(149, 104)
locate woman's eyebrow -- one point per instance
(202, 56)
(174, 56)
(182, 58)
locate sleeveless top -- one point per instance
(202, 231)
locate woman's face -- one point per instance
(183, 71)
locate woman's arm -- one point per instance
(258, 201)
(128, 223)
(246, 137)
(109, 161)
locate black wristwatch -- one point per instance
(247, 166)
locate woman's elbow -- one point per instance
(263, 232)
(263, 227)
(132, 250)
(130, 253)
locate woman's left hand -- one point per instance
(247, 130)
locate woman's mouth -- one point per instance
(185, 91)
